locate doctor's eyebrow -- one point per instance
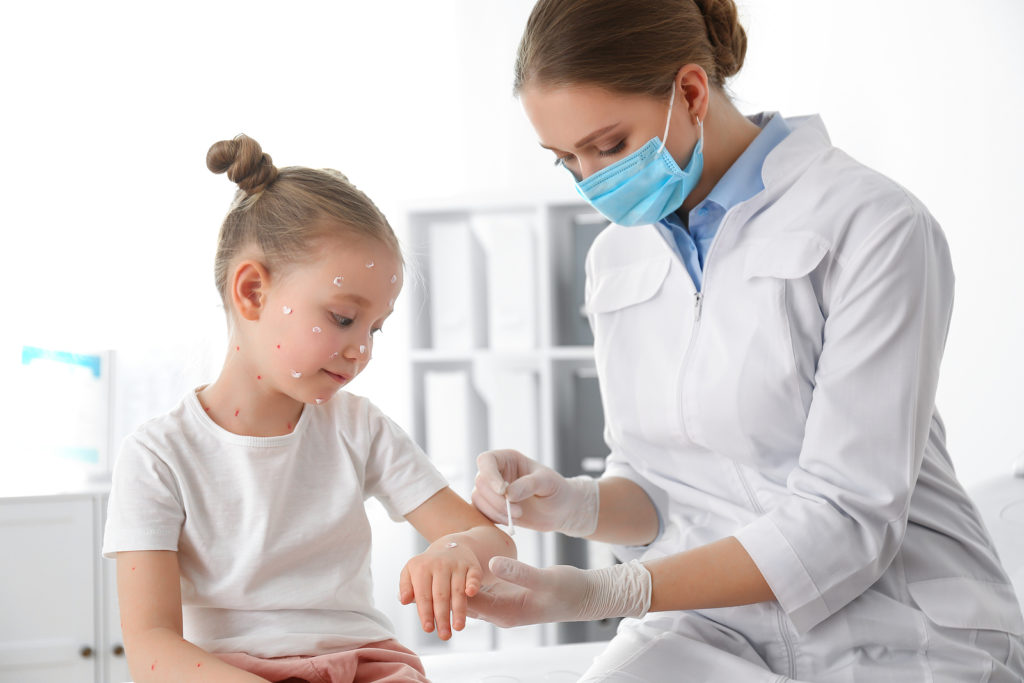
(587, 139)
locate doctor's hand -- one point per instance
(540, 498)
(527, 595)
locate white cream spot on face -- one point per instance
(362, 348)
(394, 279)
(286, 310)
(317, 330)
(319, 401)
(296, 374)
(333, 356)
(369, 264)
(338, 281)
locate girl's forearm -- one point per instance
(160, 655)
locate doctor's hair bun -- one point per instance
(628, 46)
(243, 160)
(725, 34)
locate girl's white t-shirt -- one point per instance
(272, 535)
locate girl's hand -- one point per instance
(440, 580)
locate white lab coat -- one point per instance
(791, 404)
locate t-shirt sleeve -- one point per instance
(145, 511)
(398, 473)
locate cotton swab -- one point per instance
(508, 513)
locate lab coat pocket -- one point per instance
(627, 285)
(786, 257)
(960, 602)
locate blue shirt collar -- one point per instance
(743, 179)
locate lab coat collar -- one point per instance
(807, 140)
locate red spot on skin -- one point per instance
(206, 409)
(133, 568)
(278, 346)
(289, 426)
(153, 667)
(236, 413)
(237, 348)
(198, 664)
(259, 376)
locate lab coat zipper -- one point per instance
(698, 307)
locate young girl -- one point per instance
(237, 519)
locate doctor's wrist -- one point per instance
(622, 590)
(581, 517)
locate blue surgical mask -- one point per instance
(647, 185)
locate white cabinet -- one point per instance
(502, 357)
(55, 624)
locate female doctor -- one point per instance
(769, 319)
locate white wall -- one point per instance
(110, 216)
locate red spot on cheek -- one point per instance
(236, 413)
(259, 376)
(133, 568)
(198, 664)
(278, 346)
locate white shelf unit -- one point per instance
(502, 357)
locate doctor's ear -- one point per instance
(692, 86)
(249, 283)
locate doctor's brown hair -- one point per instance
(285, 211)
(628, 46)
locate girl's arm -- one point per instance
(441, 578)
(149, 593)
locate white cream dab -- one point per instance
(286, 310)
(394, 279)
(333, 356)
(362, 348)
(369, 264)
(338, 281)
(317, 330)
(319, 401)
(451, 544)
(296, 374)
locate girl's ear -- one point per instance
(248, 287)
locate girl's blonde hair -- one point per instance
(285, 211)
(628, 46)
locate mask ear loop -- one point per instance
(668, 121)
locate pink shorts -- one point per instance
(384, 662)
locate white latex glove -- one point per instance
(527, 595)
(541, 498)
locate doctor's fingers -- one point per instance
(499, 467)
(542, 483)
(489, 503)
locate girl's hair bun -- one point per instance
(245, 163)
(725, 34)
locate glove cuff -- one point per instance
(581, 520)
(622, 590)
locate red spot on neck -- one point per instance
(236, 413)
(289, 426)
(259, 376)
(237, 348)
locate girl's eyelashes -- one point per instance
(377, 330)
(341, 320)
